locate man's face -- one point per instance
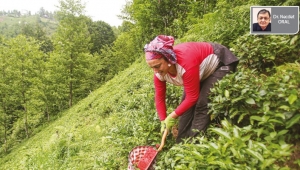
(263, 20)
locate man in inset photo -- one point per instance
(263, 21)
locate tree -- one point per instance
(22, 75)
(71, 59)
(101, 34)
(165, 17)
(5, 96)
(36, 31)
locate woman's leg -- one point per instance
(184, 125)
(196, 118)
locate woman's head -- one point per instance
(161, 46)
(159, 54)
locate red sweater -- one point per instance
(189, 57)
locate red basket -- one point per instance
(140, 157)
(143, 157)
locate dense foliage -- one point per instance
(45, 80)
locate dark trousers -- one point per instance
(196, 118)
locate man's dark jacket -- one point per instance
(256, 27)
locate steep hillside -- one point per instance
(110, 121)
(10, 26)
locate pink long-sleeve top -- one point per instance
(194, 61)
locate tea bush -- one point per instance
(214, 27)
(229, 147)
(269, 103)
(263, 52)
(261, 120)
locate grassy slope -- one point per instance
(97, 133)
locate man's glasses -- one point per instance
(265, 18)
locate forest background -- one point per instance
(77, 94)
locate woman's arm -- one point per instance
(191, 87)
(160, 98)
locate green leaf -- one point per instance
(214, 145)
(259, 131)
(268, 162)
(221, 132)
(262, 92)
(294, 40)
(235, 153)
(236, 99)
(250, 101)
(294, 120)
(276, 121)
(284, 107)
(286, 78)
(236, 133)
(257, 118)
(226, 93)
(255, 154)
(273, 134)
(197, 155)
(292, 98)
(282, 132)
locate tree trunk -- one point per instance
(71, 83)
(25, 117)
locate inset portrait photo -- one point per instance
(261, 19)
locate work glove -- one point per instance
(162, 126)
(170, 122)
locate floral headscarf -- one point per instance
(162, 45)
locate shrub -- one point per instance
(263, 52)
(270, 104)
(228, 148)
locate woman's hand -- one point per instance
(171, 120)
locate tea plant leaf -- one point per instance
(268, 162)
(255, 154)
(221, 132)
(257, 118)
(235, 153)
(236, 99)
(215, 146)
(250, 101)
(262, 92)
(284, 107)
(224, 147)
(294, 40)
(226, 93)
(285, 146)
(280, 115)
(292, 98)
(241, 117)
(225, 124)
(273, 134)
(261, 145)
(294, 120)
(236, 133)
(276, 121)
(259, 131)
(197, 155)
(282, 132)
